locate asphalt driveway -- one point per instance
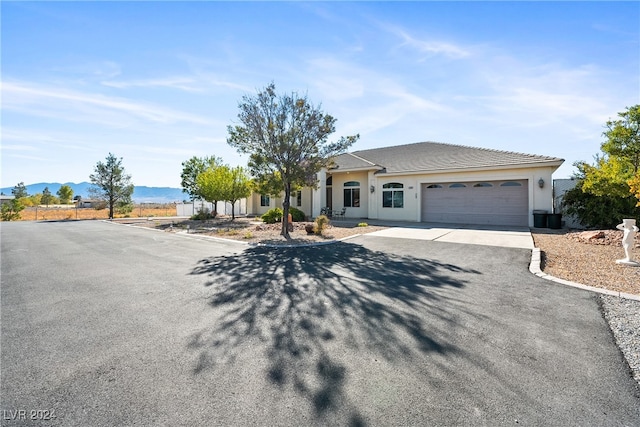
(110, 325)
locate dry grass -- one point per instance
(591, 262)
(71, 213)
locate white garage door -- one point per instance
(488, 202)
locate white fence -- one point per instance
(223, 208)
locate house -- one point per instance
(6, 199)
(430, 182)
(88, 203)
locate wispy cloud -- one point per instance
(186, 84)
(29, 140)
(431, 47)
(92, 70)
(51, 101)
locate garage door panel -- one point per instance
(491, 205)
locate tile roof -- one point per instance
(435, 156)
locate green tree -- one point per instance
(19, 191)
(11, 211)
(111, 184)
(210, 187)
(46, 196)
(634, 186)
(65, 193)
(237, 185)
(191, 169)
(286, 134)
(608, 176)
(623, 137)
(611, 186)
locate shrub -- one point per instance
(604, 211)
(272, 216)
(321, 223)
(203, 215)
(363, 224)
(296, 214)
(11, 211)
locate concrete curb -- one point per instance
(534, 268)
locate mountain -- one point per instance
(141, 193)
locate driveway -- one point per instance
(108, 325)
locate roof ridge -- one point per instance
(363, 159)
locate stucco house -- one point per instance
(430, 182)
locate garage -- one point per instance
(480, 202)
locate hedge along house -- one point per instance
(441, 183)
(430, 182)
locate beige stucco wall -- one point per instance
(254, 208)
(338, 193)
(371, 203)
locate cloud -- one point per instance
(38, 140)
(72, 105)
(186, 84)
(431, 47)
(96, 69)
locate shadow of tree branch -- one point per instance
(313, 310)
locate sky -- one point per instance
(157, 83)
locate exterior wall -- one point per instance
(371, 203)
(307, 202)
(338, 193)
(253, 203)
(254, 208)
(319, 195)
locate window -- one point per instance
(482, 184)
(299, 198)
(457, 185)
(393, 195)
(265, 200)
(510, 184)
(352, 194)
(330, 180)
(434, 186)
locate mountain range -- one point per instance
(141, 194)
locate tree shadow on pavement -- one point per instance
(315, 312)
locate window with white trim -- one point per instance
(352, 194)
(393, 195)
(265, 200)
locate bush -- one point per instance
(321, 223)
(296, 214)
(272, 216)
(203, 215)
(363, 224)
(11, 211)
(599, 211)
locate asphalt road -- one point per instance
(107, 325)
